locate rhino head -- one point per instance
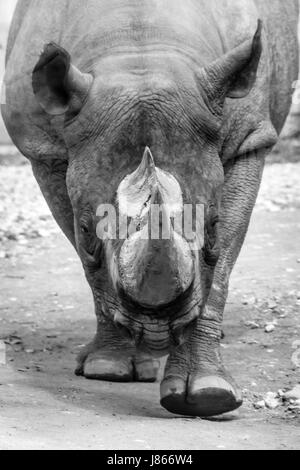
(144, 130)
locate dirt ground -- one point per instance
(46, 315)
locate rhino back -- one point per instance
(91, 29)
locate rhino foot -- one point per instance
(200, 395)
(117, 366)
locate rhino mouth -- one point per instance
(157, 335)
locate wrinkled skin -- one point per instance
(152, 74)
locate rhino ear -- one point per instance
(234, 75)
(59, 87)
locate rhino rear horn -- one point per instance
(59, 86)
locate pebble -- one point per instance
(252, 324)
(293, 394)
(260, 405)
(272, 304)
(271, 401)
(29, 351)
(249, 301)
(251, 342)
(295, 406)
(270, 328)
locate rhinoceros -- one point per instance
(133, 104)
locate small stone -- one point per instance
(270, 396)
(29, 351)
(260, 405)
(252, 324)
(13, 341)
(270, 328)
(272, 304)
(271, 401)
(12, 237)
(295, 406)
(272, 404)
(251, 342)
(293, 394)
(249, 301)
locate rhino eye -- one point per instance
(84, 229)
(215, 221)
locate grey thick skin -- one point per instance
(206, 87)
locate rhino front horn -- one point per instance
(59, 86)
(155, 263)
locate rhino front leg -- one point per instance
(111, 357)
(196, 382)
(51, 177)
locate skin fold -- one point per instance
(203, 85)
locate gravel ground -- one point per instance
(280, 189)
(24, 214)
